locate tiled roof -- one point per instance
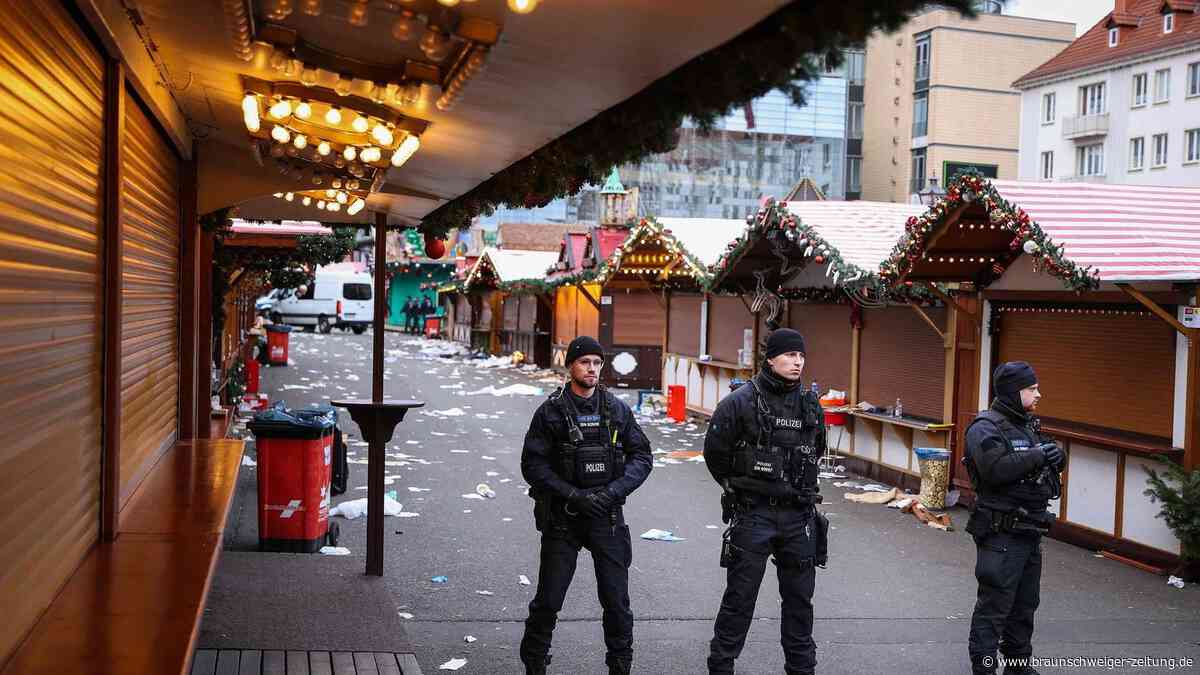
(534, 236)
(1141, 32)
(864, 233)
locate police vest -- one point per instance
(1028, 491)
(784, 449)
(591, 456)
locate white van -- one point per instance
(338, 298)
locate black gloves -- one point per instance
(1054, 456)
(590, 503)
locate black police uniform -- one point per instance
(1006, 459)
(763, 445)
(610, 449)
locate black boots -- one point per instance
(616, 667)
(537, 668)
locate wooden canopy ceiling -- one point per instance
(966, 248)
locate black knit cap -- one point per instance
(1012, 377)
(583, 346)
(783, 341)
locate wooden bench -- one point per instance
(134, 605)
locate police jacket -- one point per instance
(767, 438)
(1004, 459)
(604, 420)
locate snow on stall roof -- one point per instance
(513, 265)
(863, 232)
(704, 238)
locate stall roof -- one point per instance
(863, 232)
(705, 238)
(1125, 232)
(512, 265)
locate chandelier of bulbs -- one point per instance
(330, 200)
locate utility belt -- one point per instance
(751, 499)
(1018, 521)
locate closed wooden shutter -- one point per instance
(564, 314)
(728, 318)
(1115, 371)
(512, 304)
(638, 319)
(901, 357)
(150, 300)
(51, 298)
(828, 337)
(684, 334)
(527, 321)
(588, 322)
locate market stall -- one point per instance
(1094, 300)
(503, 286)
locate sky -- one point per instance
(1083, 13)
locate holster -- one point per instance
(822, 539)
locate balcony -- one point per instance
(1085, 126)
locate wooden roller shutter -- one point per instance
(901, 357)
(512, 304)
(638, 319)
(828, 337)
(51, 300)
(462, 310)
(527, 321)
(727, 319)
(588, 321)
(684, 333)
(564, 314)
(1108, 370)
(150, 309)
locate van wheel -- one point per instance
(276, 317)
(323, 325)
(358, 330)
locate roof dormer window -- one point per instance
(1168, 22)
(1114, 35)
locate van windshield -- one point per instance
(356, 291)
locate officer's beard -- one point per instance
(583, 386)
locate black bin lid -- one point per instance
(305, 423)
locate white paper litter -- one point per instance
(655, 534)
(523, 580)
(247, 460)
(358, 507)
(484, 593)
(453, 664)
(510, 390)
(468, 639)
(451, 412)
(417, 489)
(473, 496)
(405, 615)
(334, 550)
(1175, 581)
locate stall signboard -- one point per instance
(1191, 317)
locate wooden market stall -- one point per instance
(576, 294)
(506, 290)
(1094, 299)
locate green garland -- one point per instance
(779, 52)
(235, 385)
(1048, 257)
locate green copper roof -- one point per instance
(612, 185)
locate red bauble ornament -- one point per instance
(434, 248)
(820, 259)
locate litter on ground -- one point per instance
(334, 550)
(654, 534)
(440, 579)
(453, 664)
(357, 507)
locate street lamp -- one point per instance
(931, 194)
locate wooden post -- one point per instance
(189, 226)
(110, 443)
(1191, 454)
(949, 390)
(375, 451)
(204, 335)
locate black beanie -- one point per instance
(583, 346)
(783, 341)
(1012, 377)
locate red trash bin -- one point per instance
(433, 326)
(295, 451)
(677, 402)
(277, 344)
(252, 372)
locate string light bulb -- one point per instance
(522, 6)
(382, 134)
(280, 134)
(330, 193)
(406, 150)
(308, 76)
(358, 15)
(357, 206)
(321, 204)
(280, 109)
(307, 201)
(349, 153)
(311, 7)
(333, 206)
(250, 113)
(449, 3)
(288, 196)
(300, 141)
(333, 116)
(303, 110)
(360, 124)
(342, 197)
(370, 154)
(323, 148)
(343, 85)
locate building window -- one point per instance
(1048, 108)
(918, 171)
(1089, 160)
(1194, 79)
(1162, 85)
(1141, 89)
(1114, 36)
(854, 174)
(856, 67)
(920, 114)
(1047, 165)
(922, 65)
(1137, 153)
(1168, 22)
(1191, 145)
(856, 121)
(1160, 151)
(1091, 99)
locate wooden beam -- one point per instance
(189, 231)
(952, 301)
(931, 322)
(1191, 441)
(1096, 297)
(1157, 309)
(590, 298)
(110, 440)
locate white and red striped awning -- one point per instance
(1126, 232)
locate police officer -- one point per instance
(584, 454)
(410, 313)
(1015, 472)
(763, 445)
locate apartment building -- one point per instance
(941, 96)
(1121, 104)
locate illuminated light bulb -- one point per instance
(405, 27)
(321, 204)
(342, 197)
(280, 134)
(307, 201)
(358, 15)
(317, 179)
(300, 141)
(323, 148)
(435, 44)
(311, 7)
(279, 195)
(411, 93)
(308, 76)
(304, 110)
(449, 3)
(355, 207)
(333, 116)
(333, 206)
(370, 154)
(330, 194)
(279, 60)
(342, 87)
(288, 196)
(382, 134)
(339, 162)
(522, 6)
(360, 124)
(250, 113)
(406, 150)
(352, 184)
(349, 153)
(280, 109)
